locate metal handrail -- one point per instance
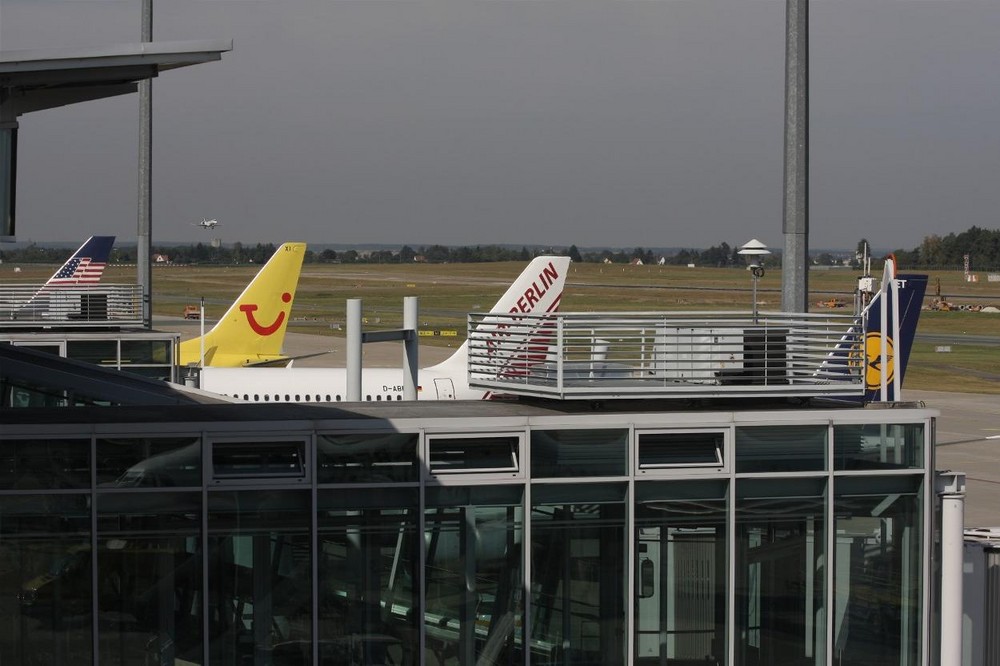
(662, 354)
(91, 305)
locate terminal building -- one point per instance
(166, 526)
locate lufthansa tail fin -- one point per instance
(538, 290)
(253, 329)
(878, 348)
(888, 337)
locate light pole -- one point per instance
(754, 252)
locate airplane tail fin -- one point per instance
(538, 290)
(892, 318)
(84, 268)
(253, 328)
(86, 265)
(880, 346)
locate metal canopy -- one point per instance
(37, 79)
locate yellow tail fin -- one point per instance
(253, 329)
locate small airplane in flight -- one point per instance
(206, 223)
(537, 290)
(253, 329)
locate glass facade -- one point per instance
(741, 540)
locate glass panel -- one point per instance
(260, 577)
(45, 580)
(163, 373)
(579, 574)
(877, 574)
(680, 449)
(146, 352)
(149, 578)
(562, 453)
(372, 458)
(780, 572)
(785, 448)
(369, 573)
(473, 454)
(681, 556)
(44, 464)
(24, 394)
(878, 446)
(474, 575)
(100, 352)
(149, 462)
(248, 460)
(8, 179)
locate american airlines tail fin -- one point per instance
(253, 329)
(87, 264)
(538, 290)
(83, 269)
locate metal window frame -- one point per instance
(463, 476)
(212, 480)
(653, 470)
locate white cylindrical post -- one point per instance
(951, 491)
(353, 349)
(410, 365)
(201, 345)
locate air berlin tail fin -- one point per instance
(537, 291)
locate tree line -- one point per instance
(947, 252)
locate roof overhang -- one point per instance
(37, 79)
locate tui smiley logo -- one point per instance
(259, 329)
(873, 358)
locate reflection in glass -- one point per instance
(45, 582)
(146, 352)
(878, 446)
(149, 462)
(474, 575)
(784, 448)
(369, 589)
(259, 581)
(579, 571)
(149, 578)
(98, 352)
(780, 572)
(44, 464)
(681, 555)
(877, 574)
(367, 458)
(562, 453)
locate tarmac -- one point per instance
(967, 432)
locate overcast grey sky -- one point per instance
(595, 122)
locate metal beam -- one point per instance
(144, 231)
(795, 209)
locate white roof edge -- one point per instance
(33, 57)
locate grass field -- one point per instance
(448, 291)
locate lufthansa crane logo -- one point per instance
(873, 360)
(259, 329)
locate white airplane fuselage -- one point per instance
(330, 384)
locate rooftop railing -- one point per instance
(657, 355)
(73, 306)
